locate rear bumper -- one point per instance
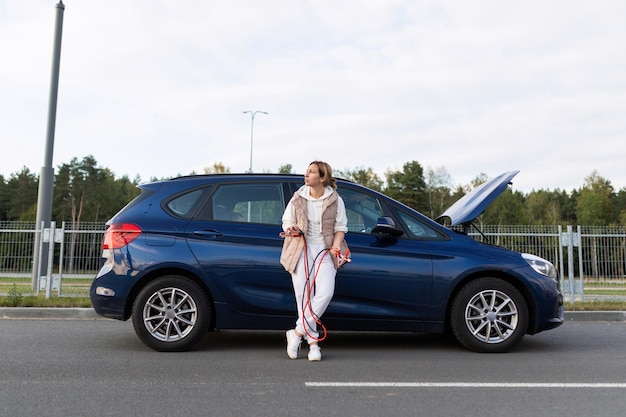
(108, 297)
(106, 307)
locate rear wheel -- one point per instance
(171, 313)
(489, 315)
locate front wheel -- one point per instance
(171, 314)
(489, 315)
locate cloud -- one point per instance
(157, 88)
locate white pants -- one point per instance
(321, 291)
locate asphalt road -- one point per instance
(99, 368)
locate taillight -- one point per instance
(119, 235)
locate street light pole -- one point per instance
(46, 178)
(252, 113)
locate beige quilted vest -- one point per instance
(293, 246)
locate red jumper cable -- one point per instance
(309, 285)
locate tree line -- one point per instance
(86, 192)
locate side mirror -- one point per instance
(385, 227)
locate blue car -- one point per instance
(201, 253)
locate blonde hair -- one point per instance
(326, 172)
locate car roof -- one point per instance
(231, 177)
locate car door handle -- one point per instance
(208, 233)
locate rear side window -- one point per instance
(247, 203)
(185, 204)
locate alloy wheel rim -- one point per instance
(491, 316)
(170, 314)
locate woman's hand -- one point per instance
(342, 258)
(293, 231)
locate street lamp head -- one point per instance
(255, 112)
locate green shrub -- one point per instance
(14, 297)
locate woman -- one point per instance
(315, 224)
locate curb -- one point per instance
(90, 314)
(48, 313)
(580, 316)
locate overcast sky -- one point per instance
(157, 88)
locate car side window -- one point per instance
(362, 209)
(249, 203)
(184, 205)
(416, 227)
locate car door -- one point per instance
(389, 279)
(235, 238)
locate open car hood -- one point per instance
(473, 204)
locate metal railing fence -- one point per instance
(76, 259)
(591, 259)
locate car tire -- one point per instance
(171, 314)
(489, 315)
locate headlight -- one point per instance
(540, 265)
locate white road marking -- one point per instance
(466, 384)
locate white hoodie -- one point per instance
(314, 215)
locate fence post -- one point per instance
(51, 236)
(61, 239)
(570, 262)
(561, 266)
(39, 237)
(51, 241)
(570, 239)
(580, 263)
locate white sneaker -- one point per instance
(315, 353)
(293, 344)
